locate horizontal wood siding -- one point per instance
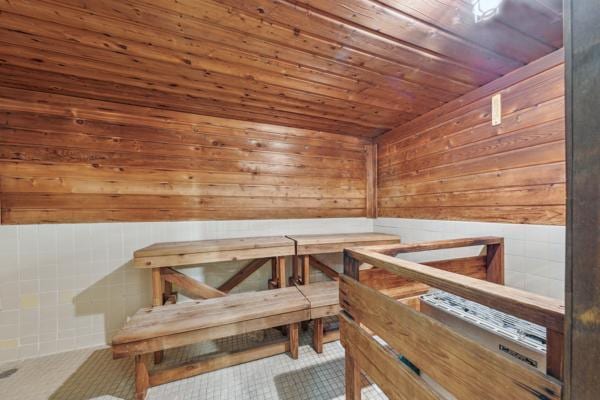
(452, 164)
(71, 159)
(356, 67)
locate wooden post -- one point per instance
(157, 288)
(295, 270)
(273, 281)
(554, 354)
(157, 300)
(142, 377)
(495, 263)
(371, 196)
(352, 374)
(305, 269)
(582, 56)
(168, 291)
(294, 337)
(318, 335)
(351, 269)
(352, 377)
(351, 266)
(281, 283)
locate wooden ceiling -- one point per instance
(357, 67)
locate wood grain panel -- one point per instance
(353, 67)
(452, 163)
(140, 110)
(69, 159)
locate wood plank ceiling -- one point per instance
(356, 67)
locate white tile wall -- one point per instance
(535, 254)
(70, 286)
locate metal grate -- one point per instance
(525, 333)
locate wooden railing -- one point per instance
(464, 368)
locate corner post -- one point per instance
(495, 262)
(157, 300)
(555, 353)
(582, 61)
(371, 195)
(352, 374)
(351, 266)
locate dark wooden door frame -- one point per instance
(582, 342)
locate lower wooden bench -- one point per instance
(165, 327)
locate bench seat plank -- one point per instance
(335, 243)
(174, 254)
(323, 297)
(128, 349)
(173, 319)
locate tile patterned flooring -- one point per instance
(93, 374)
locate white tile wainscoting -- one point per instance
(68, 286)
(71, 286)
(534, 254)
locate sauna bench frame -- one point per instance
(161, 258)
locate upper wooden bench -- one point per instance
(177, 254)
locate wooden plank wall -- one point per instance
(452, 164)
(70, 159)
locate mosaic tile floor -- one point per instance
(93, 374)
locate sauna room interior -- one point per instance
(299, 199)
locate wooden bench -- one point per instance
(161, 258)
(165, 327)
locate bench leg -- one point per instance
(318, 335)
(281, 278)
(294, 337)
(142, 378)
(157, 300)
(295, 273)
(305, 267)
(168, 292)
(352, 377)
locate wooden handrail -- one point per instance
(538, 309)
(394, 249)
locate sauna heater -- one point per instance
(495, 330)
(502, 333)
